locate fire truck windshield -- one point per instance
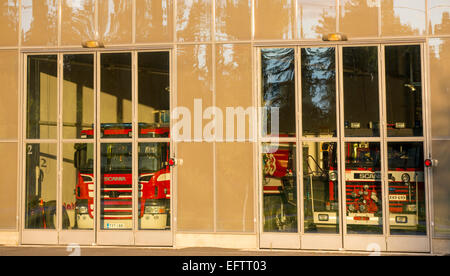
(404, 156)
(362, 155)
(152, 157)
(116, 157)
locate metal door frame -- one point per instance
(96, 236)
(344, 241)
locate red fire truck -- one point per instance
(116, 180)
(362, 187)
(280, 188)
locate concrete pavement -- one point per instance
(149, 251)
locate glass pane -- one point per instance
(406, 189)
(279, 187)
(78, 186)
(115, 97)
(363, 188)
(116, 187)
(42, 95)
(404, 91)
(321, 194)
(278, 92)
(361, 105)
(154, 94)
(154, 186)
(319, 92)
(40, 190)
(78, 96)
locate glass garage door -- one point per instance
(344, 166)
(97, 149)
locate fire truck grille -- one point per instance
(116, 203)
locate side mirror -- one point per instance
(76, 159)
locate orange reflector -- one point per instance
(92, 44)
(334, 37)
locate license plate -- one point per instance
(397, 197)
(115, 226)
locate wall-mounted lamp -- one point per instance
(334, 37)
(92, 44)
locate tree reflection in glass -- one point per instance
(319, 92)
(278, 89)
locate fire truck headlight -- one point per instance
(406, 177)
(401, 219)
(154, 210)
(333, 176)
(323, 217)
(82, 210)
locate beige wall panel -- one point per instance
(358, 18)
(194, 81)
(235, 192)
(8, 94)
(402, 17)
(440, 86)
(233, 20)
(439, 17)
(8, 185)
(115, 21)
(234, 84)
(193, 20)
(274, 19)
(154, 21)
(77, 21)
(316, 18)
(9, 22)
(195, 187)
(39, 23)
(441, 189)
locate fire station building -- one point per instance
(261, 124)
